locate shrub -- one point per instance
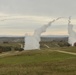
(18, 49)
(4, 49)
(75, 44)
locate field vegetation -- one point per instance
(46, 61)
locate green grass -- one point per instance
(35, 58)
(10, 44)
(39, 62)
(68, 49)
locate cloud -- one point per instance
(39, 7)
(27, 15)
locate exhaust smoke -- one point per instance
(72, 33)
(32, 42)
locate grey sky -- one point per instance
(33, 14)
(39, 7)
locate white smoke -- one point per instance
(32, 42)
(72, 33)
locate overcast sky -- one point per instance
(18, 17)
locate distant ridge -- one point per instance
(54, 35)
(41, 36)
(11, 36)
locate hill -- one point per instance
(43, 38)
(38, 62)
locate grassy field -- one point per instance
(69, 49)
(38, 62)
